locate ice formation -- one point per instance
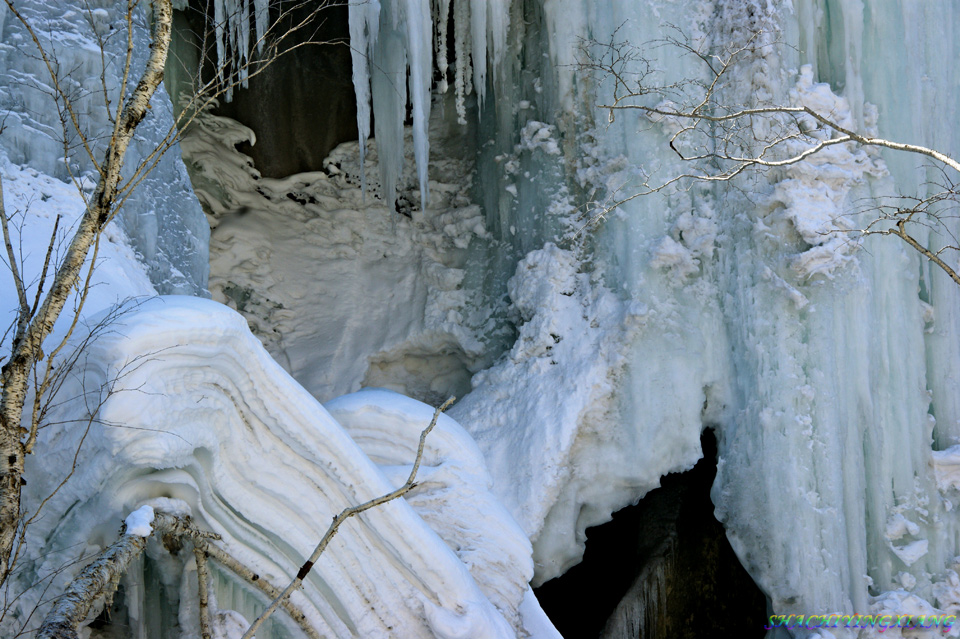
(392, 40)
(161, 217)
(260, 462)
(233, 37)
(592, 357)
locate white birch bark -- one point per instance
(27, 344)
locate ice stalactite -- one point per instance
(393, 44)
(393, 47)
(231, 27)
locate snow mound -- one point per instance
(192, 408)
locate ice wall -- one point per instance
(824, 382)
(839, 396)
(161, 217)
(818, 362)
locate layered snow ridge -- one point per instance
(192, 409)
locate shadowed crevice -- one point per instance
(662, 569)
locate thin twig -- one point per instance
(345, 514)
(46, 264)
(14, 269)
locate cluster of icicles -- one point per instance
(231, 20)
(394, 44)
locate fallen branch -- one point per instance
(98, 579)
(101, 578)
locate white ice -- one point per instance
(192, 407)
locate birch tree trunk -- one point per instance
(32, 331)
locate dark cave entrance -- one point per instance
(303, 104)
(662, 569)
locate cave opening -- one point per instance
(300, 106)
(660, 569)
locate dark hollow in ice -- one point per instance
(303, 104)
(662, 569)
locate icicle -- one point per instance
(232, 28)
(443, 13)
(262, 19)
(478, 30)
(461, 35)
(244, 53)
(418, 23)
(219, 22)
(232, 34)
(396, 36)
(389, 93)
(364, 29)
(498, 24)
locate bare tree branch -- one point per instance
(12, 259)
(711, 135)
(345, 514)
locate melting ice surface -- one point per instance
(829, 372)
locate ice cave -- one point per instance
(705, 354)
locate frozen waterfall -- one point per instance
(828, 371)
(452, 253)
